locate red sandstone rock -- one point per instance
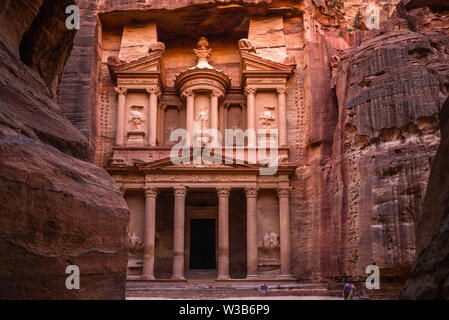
(57, 209)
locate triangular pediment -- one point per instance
(254, 63)
(216, 163)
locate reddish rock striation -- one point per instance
(57, 209)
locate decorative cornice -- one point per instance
(251, 192)
(151, 192)
(223, 192)
(180, 191)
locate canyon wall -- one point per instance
(57, 209)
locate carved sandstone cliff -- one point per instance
(363, 153)
(57, 209)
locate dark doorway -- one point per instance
(202, 244)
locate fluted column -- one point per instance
(251, 233)
(190, 112)
(223, 233)
(282, 116)
(149, 233)
(120, 126)
(251, 110)
(152, 115)
(178, 233)
(284, 218)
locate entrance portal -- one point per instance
(202, 244)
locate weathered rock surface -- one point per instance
(57, 209)
(389, 91)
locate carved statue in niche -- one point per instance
(267, 118)
(271, 241)
(234, 117)
(136, 118)
(171, 122)
(135, 244)
(203, 118)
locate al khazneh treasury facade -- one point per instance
(212, 219)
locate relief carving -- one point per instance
(271, 241)
(135, 244)
(136, 118)
(267, 118)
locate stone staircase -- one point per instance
(210, 289)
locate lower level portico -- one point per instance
(218, 221)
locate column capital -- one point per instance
(188, 93)
(121, 90)
(216, 93)
(122, 189)
(284, 192)
(151, 192)
(250, 90)
(251, 192)
(282, 90)
(153, 90)
(223, 192)
(180, 191)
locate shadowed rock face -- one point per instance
(57, 209)
(429, 278)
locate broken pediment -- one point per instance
(256, 67)
(151, 65)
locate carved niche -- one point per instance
(171, 122)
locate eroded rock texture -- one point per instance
(57, 209)
(387, 135)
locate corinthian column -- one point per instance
(223, 233)
(282, 116)
(251, 233)
(251, 109)
(120, 127)
(178, 233)
(190, 113)
(150, 228)
(152, 115)
(284, 217)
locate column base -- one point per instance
(222, 278)
(180, 278)
(147, 277)
(252, 277)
